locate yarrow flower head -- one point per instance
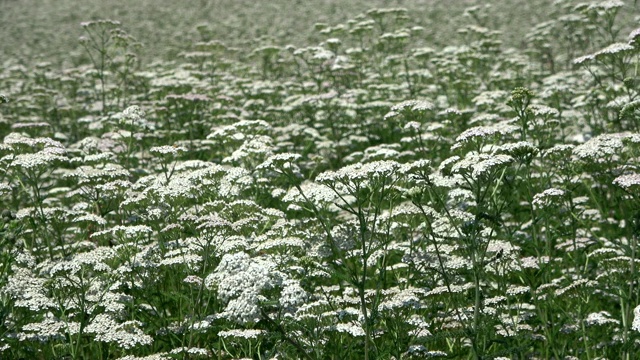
(319, 194)
(600, 318)
(409, 107)
(124, 233)
(601, 148)
(241, 333)
(634, 38)
(17, 141)
(636, 319)
(629, 182)
(280, 162)
(352, 329)
(28, 291)
(126, 335)
(48, 329)
(293, 295)
(191, 352)
(103, 22)
(548, 198)
(482, 133)
(478, 166)
(239, 281)
(360, 173)
(101, 174)
(167, 150)
(40, 160)
(5, 189)
(133, 118)
(523, 151)
(614, 49)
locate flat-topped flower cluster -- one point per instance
(368, 197)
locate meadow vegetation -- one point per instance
(387, 185)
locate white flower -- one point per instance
(517, 290)
(483, 132)
(30, 162)
(484, 119)
(636, 319)
(134, 117)
(48, 329)
(521, 150)
(4, 189)
(549, 197)
(480, 165)
(29, 125)
(614, 48)
(292, 295)
(628, 182)
(634, 37)
(412, 125)
(333, 41)
(112, 302)
(580, 283)
(213, 224)
(360, 173)
(124, 232)
(351, 329)
(454, 289)
(241, 333)
(601, 318)
(544, 111)
(494, 300)
(179, 257)
(167, 150)
(406, 298)
(43, 142)
(287, 244)
(246, 281)
(193, 280)
(230, 263)
(28, 291)
(243, 310)
(379, 152)
(260, 145)
(239, 279)
(278, 162)
(601, 148)
(319, 194)
(409, 106)
(192, 352)
(68, 267)
(100, 23)
(560, 151)
(180, 186)
(605, 5)
(583, 59)
(420, 167)
(90, 218)
(100, 174)
(422, 352)
(126, 335)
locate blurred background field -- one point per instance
(48, 30)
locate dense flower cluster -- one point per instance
(367, 197)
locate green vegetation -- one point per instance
(227, 181)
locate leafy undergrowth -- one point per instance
(359, 199)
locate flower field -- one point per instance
(372, 190)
